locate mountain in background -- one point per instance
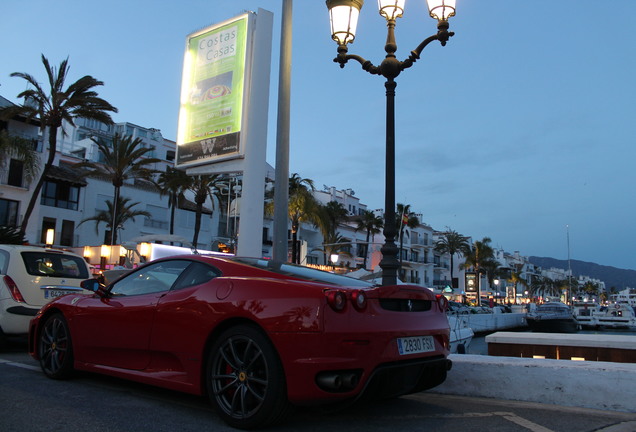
(612, 276)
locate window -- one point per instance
(60, 194)
(155, 278)
(68, 230)
(16, 169)
(196, 274)
(94, 124)
(170, 154)
(8, 212)
(55, 264)
(47, 224)
(301, 272)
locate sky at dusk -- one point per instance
(522, 125)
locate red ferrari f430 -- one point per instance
(256, 336)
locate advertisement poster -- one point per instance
(212, 91)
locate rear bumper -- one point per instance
(406, 377)
(368, 363)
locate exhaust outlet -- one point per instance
(329, 381)
(350, 380)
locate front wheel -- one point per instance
(55, 349)
(245, 379)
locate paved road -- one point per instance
(93, 403)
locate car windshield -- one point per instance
(305, 273)
(53, 264)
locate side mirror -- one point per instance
(90, 284)
(95, 286)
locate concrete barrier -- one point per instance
(585, 384)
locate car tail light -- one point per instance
(337, 300)
(13, 290)
(442, 302)
(359, 300)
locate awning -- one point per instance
(66, 175)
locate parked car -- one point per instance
(30, 277)
(256, 336)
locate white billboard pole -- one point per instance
(250, 241)
(218, 147)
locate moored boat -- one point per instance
(552, 317)
(618, 315)
(584, 312)
(460, 333)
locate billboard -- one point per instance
(212, 93)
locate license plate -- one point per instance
(415, 345)
(51, 294)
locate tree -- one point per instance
(333, 244)
(327, 219)
(123, 159)
(372, 225)
(452, 243)
(53, 108)
(124, 214)
(516, 278)
(204, 187)
(479, 257)
(10, 235)
(14, 147)
(404, 217)
(174, 183)
(302, 208)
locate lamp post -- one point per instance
(344, 18)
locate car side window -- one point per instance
(55, 265)
(154, 278)
(196, 274)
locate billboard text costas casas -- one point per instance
(212, 94)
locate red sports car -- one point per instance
(257, 336)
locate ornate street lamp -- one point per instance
(344, 19)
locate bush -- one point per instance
(11, 235)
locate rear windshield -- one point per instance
(55, 265)
(305, 273)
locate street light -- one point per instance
(344, 19)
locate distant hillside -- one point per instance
(612, 276)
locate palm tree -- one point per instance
(452, 243)
(53, 108)
(302, 207)
(124, 159)
(10, 235)
(590, 288)
(125, 213)
(21, 149)
(372, 225)
(479, 258)
(327, 219)
(404, 217)
(203, 186)
(516, 278)
(333, 244)
(174, 183)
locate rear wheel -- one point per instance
(55, 349)
(245, 379)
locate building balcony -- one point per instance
(154, 223)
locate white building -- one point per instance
(68, 197)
